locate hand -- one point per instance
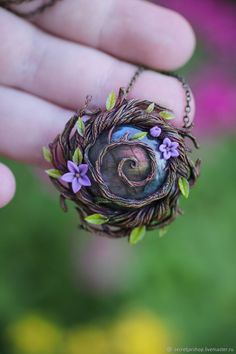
(81, 47)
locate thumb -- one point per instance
(7, 185)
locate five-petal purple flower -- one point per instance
(77, 176)
(169, 148)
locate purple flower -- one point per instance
(169, 148)
(155, 131)
(76, 175)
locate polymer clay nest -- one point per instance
(124, 166)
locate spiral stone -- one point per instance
(132, 184)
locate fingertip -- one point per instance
(7, 185)
(162, 39)
(151, 35)
(182, 43)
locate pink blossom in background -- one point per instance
(102, 266)
(215, 97)
(214, 79)
(214, 21)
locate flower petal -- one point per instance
(167, 142)
(84, 181)
(174, 153)
(174, 144)
(83, 169)
(162, 147)
(67, 177)
(166, 155)
(72, 167)
(76, 186)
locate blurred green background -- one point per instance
(63, 291)
(186, 279)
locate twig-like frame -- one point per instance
(155, 210)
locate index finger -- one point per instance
(133, 30)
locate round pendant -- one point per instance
(124, 167)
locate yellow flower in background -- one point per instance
(133, 333)
(139, 333)
(34, 335)
(87, 340)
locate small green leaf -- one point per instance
(150, 108)
(137, 234)
(184, 186)
(47, 154)
(111, 101)
(77, 156)
(96, 219)
(80, 126)
(138, 136)
(53, 173)
(163, 231)
(166, 115)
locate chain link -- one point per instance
(187, 121)
(187, 110)
(133, 80)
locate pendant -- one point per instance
(124, 166)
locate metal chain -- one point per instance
(187, 122)
(7, 5)
(133, 80)
(186, 119)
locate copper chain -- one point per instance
(186, 119)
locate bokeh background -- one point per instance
(63, 291)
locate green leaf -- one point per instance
(184, 186)
(150, 108)
(96, 219)
(163, 231)
(138, 136)
(77, 156)
(166, 115)
(47, 154)
(53, 173)
(111, 101)
(137, 234)
(80, 126)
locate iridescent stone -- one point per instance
(136, 163)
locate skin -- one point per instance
(80, 47)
